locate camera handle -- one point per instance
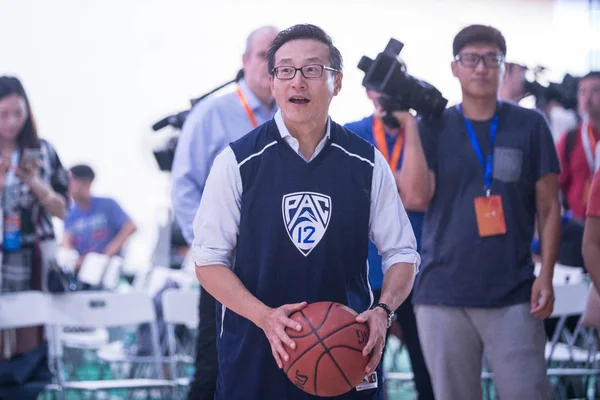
(179, 117)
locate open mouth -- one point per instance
(299, 100)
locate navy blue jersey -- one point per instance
(303, 236)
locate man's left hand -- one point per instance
(542, 297)
(377, 320)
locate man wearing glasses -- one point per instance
(211, 125)
(296, 201)
(493, 170)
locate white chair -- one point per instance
(97, 270)
(563, 274)
(67, 258)
(23, 309)
(180, 307)
(28, 309)
(109, 310)
(571, 360)
(112, 273)
(93, 268)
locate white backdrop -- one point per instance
(100, 72)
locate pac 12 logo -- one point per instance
(306, 216)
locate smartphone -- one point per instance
(31, 156)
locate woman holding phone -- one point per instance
(33, 189)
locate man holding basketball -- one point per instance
(285, 221)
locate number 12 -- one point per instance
(307, 238)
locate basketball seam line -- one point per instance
(321, 356)
(316, 344)
(326, 351)
(318, 327)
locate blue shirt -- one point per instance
(93, 228)
(364, 129)
(210, 126)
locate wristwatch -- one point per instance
(388, 310)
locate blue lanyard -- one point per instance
(488, 164)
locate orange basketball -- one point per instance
(328, 358)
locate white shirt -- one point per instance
(216, 225)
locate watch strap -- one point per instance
(387, 309)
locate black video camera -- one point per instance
(400, 91)
(564, 93)
(164, 156)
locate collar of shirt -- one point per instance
(255, 104)
(293, 142)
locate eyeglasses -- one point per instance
(312, 71)
(471, 60)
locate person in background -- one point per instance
(576, 148)
(493, 171)
(33, 189)
(94, 224)
(591, 235)
(211, 125)
(401, 147)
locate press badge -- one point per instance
(490, 215)
(368, 382)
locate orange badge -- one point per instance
(490, 216)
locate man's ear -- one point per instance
(454, 68)
(337, 83)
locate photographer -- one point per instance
(493, 171)
(577, 148)
(402, 149)
(554, 101)
(210, 126)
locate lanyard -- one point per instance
(381, 143)
(589, 144)
(249, 112)
(488, 164)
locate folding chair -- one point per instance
(563, 348)
(28, 309)
(180, 307)
(110, 310)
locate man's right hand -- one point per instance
(404, 118)
(274, 323)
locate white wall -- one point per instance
(100, 72)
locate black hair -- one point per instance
(478, 34)
(28, 137)
(304, 31)
(83, 172)
(591, 74)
